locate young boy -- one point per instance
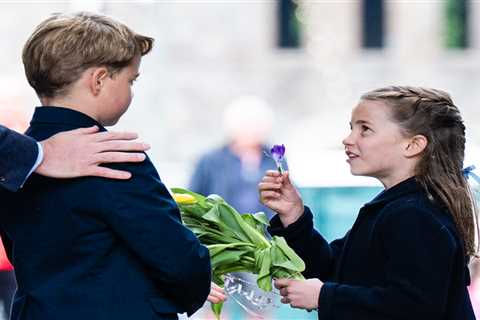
(93, 248)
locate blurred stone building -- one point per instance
(309, 59)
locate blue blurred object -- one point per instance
(335, 208)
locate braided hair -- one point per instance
(432, 113)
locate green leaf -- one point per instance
(280, 273)
(227, 221)
(194, 210)
(216, 248)
(291, 255)
(217, 309)
(279, 259)
(263, 264)
(262, 218)
(237, 243)
(256, 222)
(234, 220)
(224, 258)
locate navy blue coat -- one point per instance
(402, 259)
(100, 249)
(17, 157)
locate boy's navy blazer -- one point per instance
(17, 157)
(100, 249)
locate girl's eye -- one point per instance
(364, 130)
(132, 81)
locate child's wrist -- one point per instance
(292, 216)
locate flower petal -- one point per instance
(278, 151)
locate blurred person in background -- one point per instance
(233, 170)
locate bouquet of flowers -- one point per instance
(237, 242)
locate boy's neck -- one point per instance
(69, 104)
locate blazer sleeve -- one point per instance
(18, 154)
(420, 261)
(319, 255)
(143, 214)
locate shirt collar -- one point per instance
(60, 115)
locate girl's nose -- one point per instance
(348, 140)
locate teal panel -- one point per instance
(335, 208)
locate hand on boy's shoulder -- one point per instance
(81, 152)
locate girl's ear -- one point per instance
(97, 80)
(415, 146)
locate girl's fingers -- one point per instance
(286, 178)
(269, 195)
(281, 283)
(269, 186)
(269, 179)
(284, 291)
(273, 173)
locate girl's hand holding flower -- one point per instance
(302, 294)
(279, 194)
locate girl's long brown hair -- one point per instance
(432, 113)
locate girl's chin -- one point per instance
(356, 172)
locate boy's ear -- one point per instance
(416, 145)
(97, 80)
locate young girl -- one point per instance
(406, 255)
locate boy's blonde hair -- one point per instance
(63, 46)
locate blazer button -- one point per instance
(3, 179)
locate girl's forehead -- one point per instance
(371, 111)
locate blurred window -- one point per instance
(457, 23)
(372, 24)
(288, 24)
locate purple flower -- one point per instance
(277, 152)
